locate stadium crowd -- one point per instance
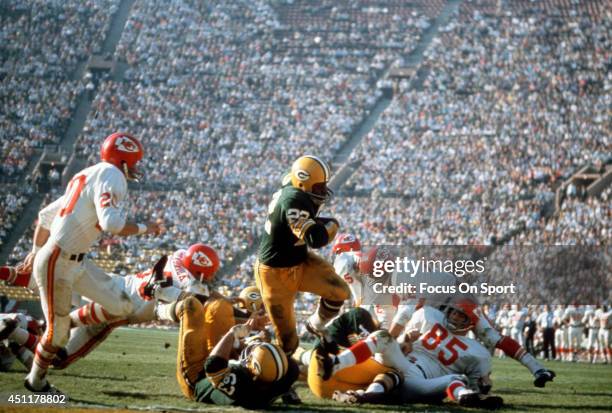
(482, 144)
(514, 102)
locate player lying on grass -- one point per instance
(487, 335)
(377, 381)
(255, 379)
(19, 334)
(483, 329)
(442, 362)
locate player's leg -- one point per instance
(14, 327)
(218, 319)
(192, 351)
(109, 299)
(356, 377)
(54, 276)
(278, 287)
(84, 340)
(320, 278)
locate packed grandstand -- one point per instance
(479, 145)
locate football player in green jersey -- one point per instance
(285, 265)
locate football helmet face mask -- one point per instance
(202, 262)
(346, 243)
(461, 314)
(267, 362)
(124, 151)
(311, 175)
(250, 298)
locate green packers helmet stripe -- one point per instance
(323, 164)
(278, 360)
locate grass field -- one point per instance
(135, 369)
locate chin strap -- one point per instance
(131, 175)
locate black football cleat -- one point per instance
(542, 376)
(46, 389)
(481, 401)
(156, 279)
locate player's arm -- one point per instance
(108, 195)
(316, 232)
(216, 366)
(401, 319)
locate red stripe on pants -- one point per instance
(48, 337)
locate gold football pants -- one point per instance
(201, 328)
(357, 377)
(279, 286)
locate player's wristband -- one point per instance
(142, 228)
(35, 248)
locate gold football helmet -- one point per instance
(311, 175)
(250, 298)
(266, 361)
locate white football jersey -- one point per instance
(589, 319)
(604, 319)
(517, 318)
(573, 315)
(503, 319)
(439, 352)
(559, 315)
(90, 205)
(346, 265)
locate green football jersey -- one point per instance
(290, 213)
(236, 385)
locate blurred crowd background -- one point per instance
(513, 99)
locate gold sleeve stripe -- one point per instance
(300, 227)
(215, 378)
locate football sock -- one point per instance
(167, 312)
(375, 387)
(23, 337)
(89, 314)
(456, 389)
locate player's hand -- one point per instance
(241, 330)
(28, 263)
(259, 320)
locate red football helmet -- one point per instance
(124, 151)
(346, 243)
(202, 261)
